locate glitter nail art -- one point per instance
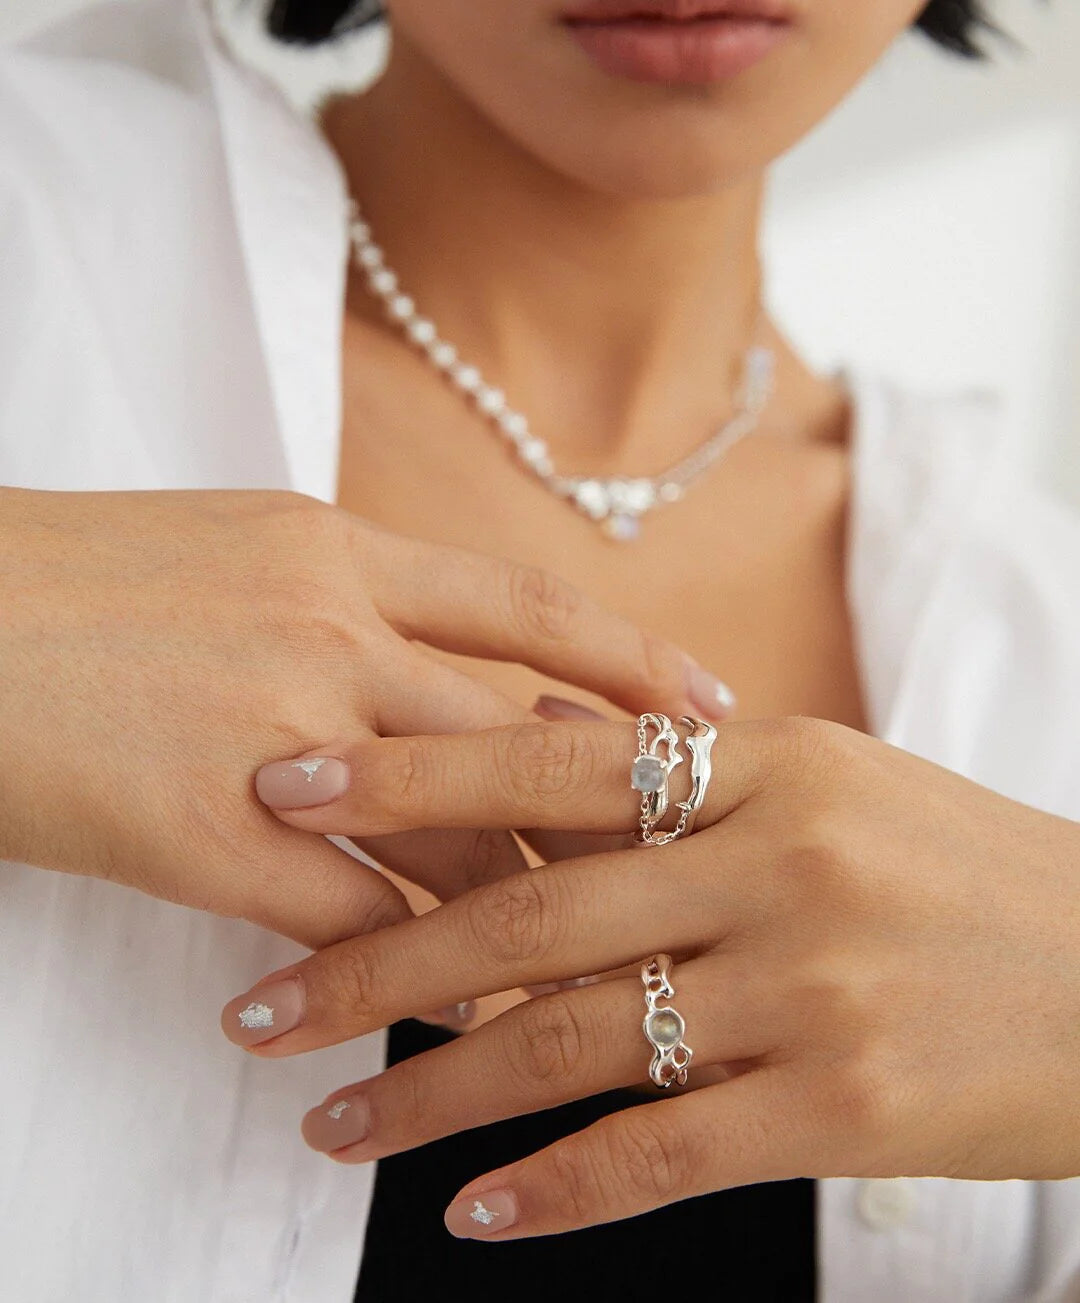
(335, 1110)
(257, 1015)
(310, 767)
(481, 1214)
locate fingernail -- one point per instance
(558, 708)
(710, 695)
(570, 984)
(340, 1122)
(302, 784)
(481, 1215)
(265, 1012)
(453, 1016)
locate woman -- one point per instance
(877, 967)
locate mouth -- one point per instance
(678, 42)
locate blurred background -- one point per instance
(930, 229)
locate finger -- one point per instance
(448, 861)
(548, 924)
(535, 1056)
(476, 605)
(535, 775)
(750, 1129)
(418, 694)
(305, 888)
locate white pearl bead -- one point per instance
(369, 256)
(422, 332)
(401, 307)
(491, 401)
(467, 378)
(383, 281)
(534, 451)
(360, 232)
(444, 355)
(513, 424)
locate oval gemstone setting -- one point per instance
(664, 1028)
(648, 774)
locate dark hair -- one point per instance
(954, 24)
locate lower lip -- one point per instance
(695, 53)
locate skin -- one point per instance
(298, 619)
(590, 241)
(866, 992)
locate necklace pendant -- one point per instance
(622, 527)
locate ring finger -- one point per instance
(540, 1054)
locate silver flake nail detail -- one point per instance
(257, 1015)
(481, 1214)
(335, 1110)
(310, 767)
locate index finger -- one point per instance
(476, 605)
(574, 777)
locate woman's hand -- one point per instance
(156, 649)
(878, 963)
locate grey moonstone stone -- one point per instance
(648, 774)
(665, 1028)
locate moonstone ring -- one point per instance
(658, 755)
(663, 1026)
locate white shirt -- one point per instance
(172, 239)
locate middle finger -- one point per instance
(548, 924)
(538, 1055)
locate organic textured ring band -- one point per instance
(663, 1026)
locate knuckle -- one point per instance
(516, 921)
(650, 1160)
(543, 763)
(542, 605)
(815, 852)
(399, 778)
(812, 745)
(583, 1177)
(859, 1104)
(549, 1043)
(349, 985)
(486, 855)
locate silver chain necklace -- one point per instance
(617, 503)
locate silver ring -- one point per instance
(700, 739)
(664, 1027)
(651, 772)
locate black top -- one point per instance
(756, 1243)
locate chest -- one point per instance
(747, 573)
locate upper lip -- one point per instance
(611, 11)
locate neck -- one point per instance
(618, 326)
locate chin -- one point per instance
(674, 171)
(658, 155)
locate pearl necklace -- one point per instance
(617, 503)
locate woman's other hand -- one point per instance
(876, 961)
(157, 649)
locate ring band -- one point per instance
(651, 772)
(664, 1027)
(700, 739)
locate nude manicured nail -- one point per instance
(558, 708)
(264, 1013)
(710, 695)
(478, 1216)
(302, 784)
(344, 1121)
(454, 1016)
(570, 984)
